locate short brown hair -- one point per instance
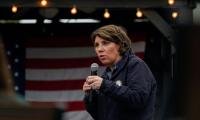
(113, 33)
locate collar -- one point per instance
(120, 64)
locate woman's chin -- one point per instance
(106, 63)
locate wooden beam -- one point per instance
(160, 23)
(95, 3)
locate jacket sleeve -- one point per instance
(91, 104)
(135, 93)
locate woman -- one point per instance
(127, 88)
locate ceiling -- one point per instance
(58, 9)
(94, 3)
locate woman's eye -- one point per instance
(105, 42)
(96, 45)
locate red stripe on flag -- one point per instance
(60, 63)
(68, 106)
(76, 105)
(136, 37)
(140, 55)
(54, 85)
(74, 41)
(54, 42)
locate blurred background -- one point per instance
(47, 52)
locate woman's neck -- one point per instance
(113, 66)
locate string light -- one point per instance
(171, 2)
(106, 14)
(14, 8)
(43, 3)
(174, 14)
(73, 10)
(139, 13)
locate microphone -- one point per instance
(94, 68)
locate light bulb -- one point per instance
(139, 13)
(106, 14)
(73, 10)
(174, 15)
(171, 2)
(43, 3)
(14, 8)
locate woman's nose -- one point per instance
(100, 48)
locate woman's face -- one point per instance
(107, 52)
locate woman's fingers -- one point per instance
(86, 87)
(92, 79)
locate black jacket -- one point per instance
(134, 99)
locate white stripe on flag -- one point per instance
(75, 52)
(77, 115)
(52, 96)
(58, 53)
(138, 46)
(59, 74)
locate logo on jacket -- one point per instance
(118, 83)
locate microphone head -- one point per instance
(94, 68)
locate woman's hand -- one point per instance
(94, 82)
(86, 87)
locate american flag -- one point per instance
(56, 67)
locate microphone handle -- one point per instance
(90, 96)
(91, 92)
(93, 72)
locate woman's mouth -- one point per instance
(101, 57)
